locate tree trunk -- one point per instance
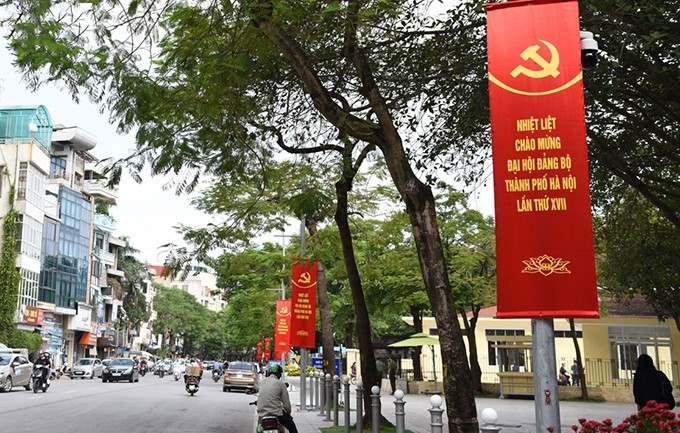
(326, 325)
(475, 368)
(369, 373)
(327, 342)
(579, 362)
(417, 315)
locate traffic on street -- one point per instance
(152, 404)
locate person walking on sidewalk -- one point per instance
(392, 372)
(380, 369)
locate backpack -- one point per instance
(666, 391)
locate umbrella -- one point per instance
(421, 339)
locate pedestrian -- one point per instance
(651, 384)
(564, 377)
(380, 368)
(575, 374)
(392, 372)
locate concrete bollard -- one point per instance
(399, 412)
(489, 416)
(311, 392)
(375, 407)
(315, 390)
(436, 411)
(345, 385)
(360, 406)
(329, 396)
(336, 393)
(322, 394)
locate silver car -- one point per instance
(15, 370)
(87, 367)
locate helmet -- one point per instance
(275, 369)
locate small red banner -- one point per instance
(282, 332)
(544, 241)
(303, 320)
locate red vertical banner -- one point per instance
(282, 332)
(303, 319)
(544, 240)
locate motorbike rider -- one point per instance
(193, 363)
(273, 398)
(217, 367)
(44, 360)
(142, 365)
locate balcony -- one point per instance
(99, 189)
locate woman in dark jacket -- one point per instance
(649, 383)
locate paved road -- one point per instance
(151, 405)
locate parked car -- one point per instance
(242, 375)
(15, 370)
(121, 369)
(87, 367)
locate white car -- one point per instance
(87, 367)
(15, 370)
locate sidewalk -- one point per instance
(514, 415)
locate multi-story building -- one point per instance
(25, 144)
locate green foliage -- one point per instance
(294, 370)
(24, 339)
(178, 313)
(9, 275)
(638, 252)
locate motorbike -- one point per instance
(38, 380)
(161, 372)
(191, 384)
(269, 424)
(56, 374)
(216, 375)
(177, 374)
(142, 370)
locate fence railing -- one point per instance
(601, 372)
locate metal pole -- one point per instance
(436, 411)
(399, 413)
(375, 405)
(303, 380)
(303, 351)
(345, 384)
(336, 382)
(360, 406)
(546, 400)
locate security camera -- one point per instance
(589, 51)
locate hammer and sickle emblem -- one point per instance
(548, 67)
(305, 278)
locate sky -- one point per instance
(144, 213)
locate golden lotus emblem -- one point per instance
(545, 265)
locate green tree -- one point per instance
(136, 276)
(178, 314)
(645, 261)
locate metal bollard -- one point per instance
(336, 392)
(345, 384)
(329, 397)
(375, 406)
(399, 412)
(322, 394)
(436, 412)
(360, 406)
